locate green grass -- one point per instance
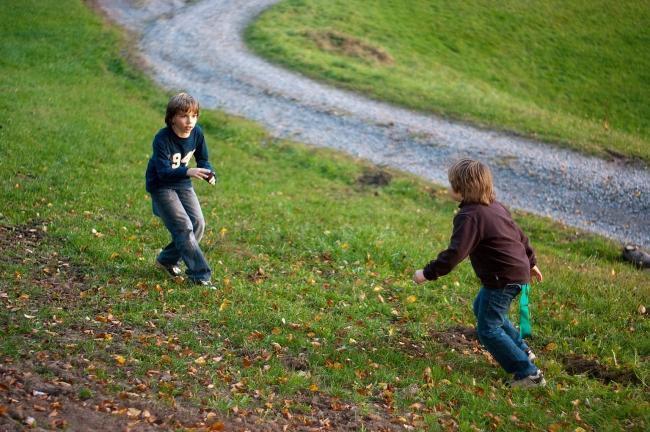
(573, 73)
(310, 265)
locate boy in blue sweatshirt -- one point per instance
(168, 180)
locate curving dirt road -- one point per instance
(197, 46)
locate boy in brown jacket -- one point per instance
(502, 259)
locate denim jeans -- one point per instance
(496, 332)
(181, 213)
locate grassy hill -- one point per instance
(574, 73)
(315, 320)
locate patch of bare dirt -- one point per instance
(406, 344)
(329, 413)
(579, 365)
(20, 242)
(24, 244)
(339, 43)
(299, 363)
(374, 177)
(61, 398)
(462, 339)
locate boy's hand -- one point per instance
(212, 178)
(536, 274)
(199, 173)
(418, 277)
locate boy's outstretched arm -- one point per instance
(463, 240)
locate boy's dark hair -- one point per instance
(180, 103)
(473, 181)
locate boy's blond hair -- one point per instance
(180, 103)
(473, 181)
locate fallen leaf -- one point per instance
(411, 299)
(551, 346)
(427, 375)
(120, 360)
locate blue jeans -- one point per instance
(181, 213)
(496, 332)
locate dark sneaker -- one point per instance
(530, 381)
(172, 271)
(531, 355)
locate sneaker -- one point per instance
(531, 355)
(530, 381)
(172, 271)
(204, 283)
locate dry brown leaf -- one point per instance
(427, 375)
(133, 412)
(551, 346)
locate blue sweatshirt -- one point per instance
(167, 166)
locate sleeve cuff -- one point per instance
(428, 274)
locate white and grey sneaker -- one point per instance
(172, 271)
(531, 355)
(530, 381)
(204, 283)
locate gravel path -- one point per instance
(198, 47)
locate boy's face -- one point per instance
(454, 195)
(183, 123)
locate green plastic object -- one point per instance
(525, 329)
